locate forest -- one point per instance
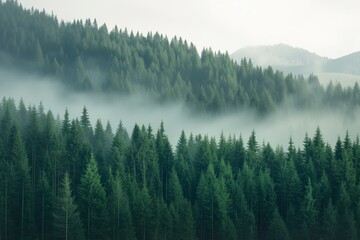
(69, 178)
(87, 57)
(62, 178)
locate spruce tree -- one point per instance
(20, 194)
(277, 228)
(67, 222)
(92, 202)
(121, 222)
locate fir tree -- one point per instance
(67, 223)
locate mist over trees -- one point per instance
(66, 179)
(88, 57)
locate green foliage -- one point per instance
(93, 203)
(203, 189)
(277, 228)
(20, 199)
(121, 222)
(167, 69)
(142, 210)
(67, 223)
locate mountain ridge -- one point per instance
(346, 64)
(297, 60)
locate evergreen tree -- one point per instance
(165, 156)
(309, 212)
(121, 222)
(67, 223)
(20, 193)
(118, 151)
(346, 223)
(183, 166)
(212, 207)
(142, 211)
(277, 228)
(180, 209)
(92, 199)
(330, 220)
(85, 124)
(100, 151)
(244, 218)
(66, 123)
(266, 204)
(76, 152)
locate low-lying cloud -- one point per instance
(139, 108)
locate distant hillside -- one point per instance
(86, 57)
(282, 57)
(299, 61)
(349, 64)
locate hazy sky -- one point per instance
(327, 27)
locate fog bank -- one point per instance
(140, 109)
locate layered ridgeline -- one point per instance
(300, 61)
(284, 58)
(297, 60)
(86, 56)
(65, 179)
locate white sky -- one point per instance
(330, 28)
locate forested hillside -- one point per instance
(85, 56)
(66, 179)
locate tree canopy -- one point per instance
(88, 57)
(146, 188)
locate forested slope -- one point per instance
(66, 177)
(85, 56)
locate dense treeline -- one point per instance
(87, 56)
(64, 179)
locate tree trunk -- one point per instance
(42, 217)
(6, 210)
(22, 210)
(88, 223)
(212, 217)
(118, 217)
(66, 219)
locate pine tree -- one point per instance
(165, 157)
(92, 202)
(277, 228)
(86, 125)
(239, 155)
(122, 227)
(118, 151)
(76, 152)
(181, 215)
(212, 207)
(267, 202)
(20, 200)
(252, 151)
(330, 221)
(183, 167)
(66, 123)
(100, 151)
(67, 223)
(142, 212)
(309, 212)
(244, 219)
(346, 223)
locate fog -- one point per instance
(346, 80)
(140, 109)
